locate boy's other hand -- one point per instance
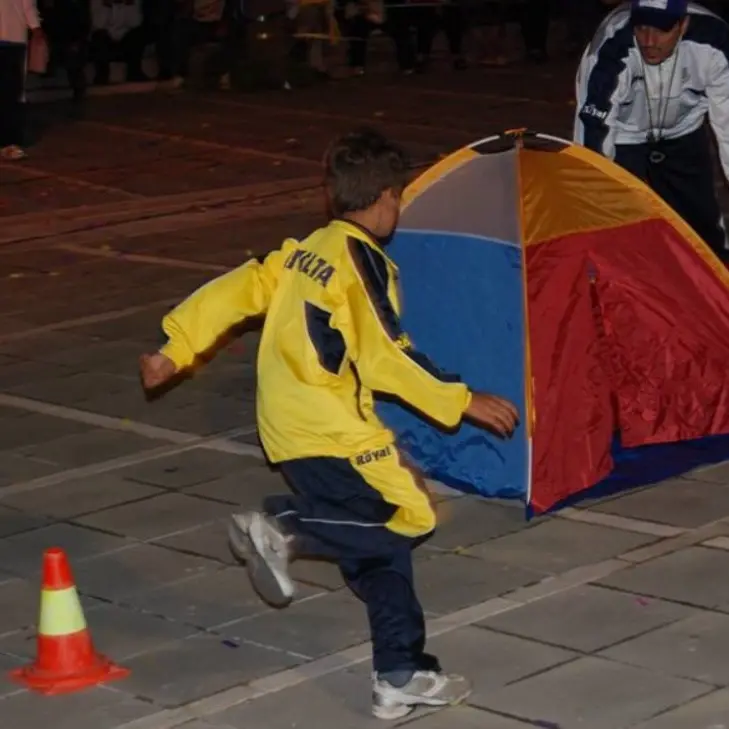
(494, 413)
(156, 369)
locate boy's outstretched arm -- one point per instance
(387, 362)
(194, 326)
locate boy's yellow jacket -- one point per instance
(331, 337)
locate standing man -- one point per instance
(654, 72)
(17, 17)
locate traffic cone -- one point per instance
(66, 660)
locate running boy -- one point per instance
(331, 338)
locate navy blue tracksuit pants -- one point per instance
(337, 515)
(684, 179)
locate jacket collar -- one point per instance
(361, 233)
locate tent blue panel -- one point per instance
(463, 306)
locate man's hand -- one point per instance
(493, 413)
(156, 369)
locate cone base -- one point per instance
(51, 683)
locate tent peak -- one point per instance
(518, 138)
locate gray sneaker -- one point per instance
(255, 539)
(425, 688)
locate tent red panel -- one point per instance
(618, 342)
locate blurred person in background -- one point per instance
(489, 19)
(535, 20)
(646, 85)
(582, 18)
(425, 18)
(410, 24)
(117, 34)
(315, 28)
(67, 24)
(17, 19)
(158, 23)
(357, 19)
(201, 22)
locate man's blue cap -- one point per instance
(661, 14)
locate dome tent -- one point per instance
(544, 272)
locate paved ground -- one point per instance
(607, 616)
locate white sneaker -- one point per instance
(255, 539)
(425, 688)
(238, 539)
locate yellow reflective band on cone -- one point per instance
(61, 612)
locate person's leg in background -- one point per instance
(184, 37)
(75, 55)
(686, 182)
(358, 30)
(684, 179)
(12, 82)
(425, 20)
(101, 50)
(491, 19)
(312, 28)
(132, 47)
(398, 22)
(159, 20)
(453, 19)
(535, 21)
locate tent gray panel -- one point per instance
(478, 198)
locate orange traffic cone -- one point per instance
(66, 660)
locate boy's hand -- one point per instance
(156, 369)
(494, 413)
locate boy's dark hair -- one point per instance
(359, 167)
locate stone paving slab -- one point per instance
(592, 692)
(312, 628)
(451, 582)
(74, 498)
(708, 711)
(21, 554)
(695, 648)
(13, 521)
(472, 522)
(209, 600)
(155, 517)
(588, 618)
(198, 472)
(200, 666)
(557, 545)
(687, 576)
(90, 447)
(117, 632)
(141, 568)
(16, 468)
(35, 429)
(467, 717)
(680, 502)
(209, 540)
(244, 487)
(102, 708)
(494, 660)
